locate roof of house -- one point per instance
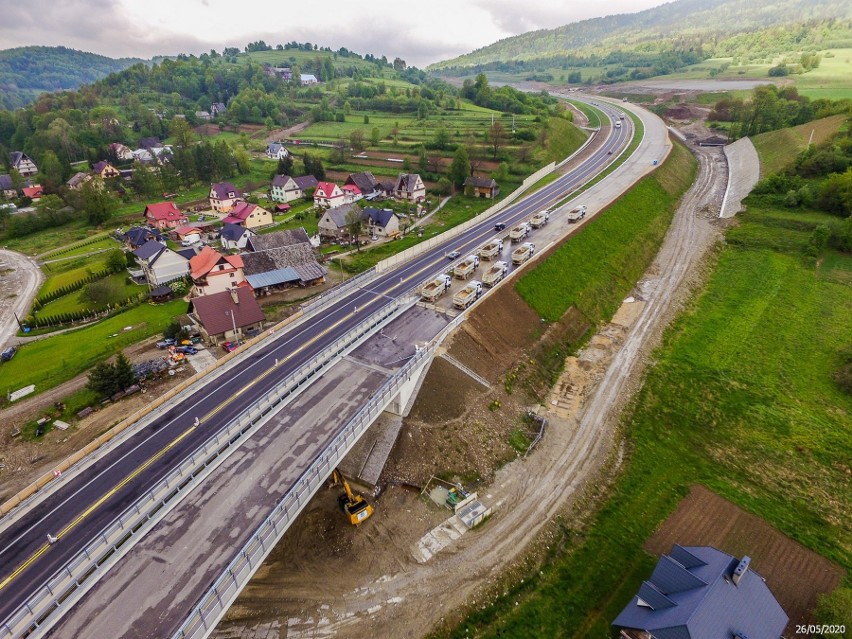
(407, 181)
(219, 106)
(149, 251)
(186, 229)
(215, 311)
(201, 264)
(305, 182)
(278, 239)
(338, 214)
(364, 180)
(297, 256)
(480, 182)
(240, 213)
(222, 189)
(325, 189)
(100, 166)
(138, 235)
(351, 188)
(160, 291)
(118, 146)
(33, 191)
(274, 147)
(281, 180)
(17, 157)
(164, 211)
(187, 252)
(691, 595)
(150, 143)
(274, 277)
(6, 182)
(232, 232)
(380, 217)
(308, 76)
(76, 179)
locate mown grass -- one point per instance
(741, 400)
(73, 271)
(563, 139)
(596, 269)
(777, 149)
(51, 361)
(76, 302)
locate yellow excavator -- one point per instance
(354, 505)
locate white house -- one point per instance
(276, 151)
(328, 194)
(409, 187)
(160, 264)
(286, 189)
(22, 163)
(235, 237)
(307, 78)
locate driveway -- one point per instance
(20, 279)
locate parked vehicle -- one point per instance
(187, 350)
(468, 295)
(540, 219)
(494, 274)
(466, 267)
(523, 253)
(577, 214)
(435, 288)
(519, 232)
(230, 346)
(170, 341)
(191, 240)
(8, 353)
(491, 250)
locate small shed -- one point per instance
(161, 294)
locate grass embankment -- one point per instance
(777, 148)
(596, 269)
(563, 138)
(51, 361)
(741, 400)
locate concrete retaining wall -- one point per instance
(743, 174)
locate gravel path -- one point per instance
(20, 279)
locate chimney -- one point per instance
(234, 296)
(741, 570)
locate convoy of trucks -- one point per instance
(577, 214)
(491, 250)
(494, 274)
(519, 232)
(539, 219)
(435, 288)
(466, 267)
(468, 295)
(523, 253)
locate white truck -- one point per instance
(494, 274)
(540, 219)
(433, 289)
(468, 295)
(466, 267)
(577, 214)
(491, 250)
(519, 232)
(523, 253)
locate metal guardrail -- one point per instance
(224, 591)
(72, 581)
(341, 289)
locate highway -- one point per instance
(90, 500)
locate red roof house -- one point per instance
(249, 216)
(213, 272)
(219, 313)
(164, 215)
(328, 194)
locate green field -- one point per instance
(832, 80)
(596, 269)
(51, 361)
(778, 149)
(740, 399)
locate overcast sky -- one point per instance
(420, 31)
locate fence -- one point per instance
(79, 575)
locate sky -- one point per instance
(418, 32)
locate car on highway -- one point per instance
(500, 226)
(230, 346)
(8, 353)
(453, 255)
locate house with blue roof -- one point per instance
(381, 222)
(699, 592)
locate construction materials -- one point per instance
(466, 267)
(435, 288)
(494, 274)
(523, 253)
(468, 295)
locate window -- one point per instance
(232, 275)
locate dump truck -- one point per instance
(491, 250)
(576, 214)
(523, 253)
(519, 232)
(433, 289)
(468, 295)
(540, 219)
(466, 267)
(494, 274)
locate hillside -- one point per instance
(26, 72)
(682, 32)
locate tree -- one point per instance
(285, 165)
(375, 136)
(116, 262)
(460, 167)
(145, 182)
(496, 138)
(242, 160)
(102, 379)
(313, 166)
(50, 169)
(337, 155)
(399, 64)
(182, 132)
(98, 202)
(356, 140)
(423, 159)
(444, 186)
(124, 376)
(442, 138)
(353, 225)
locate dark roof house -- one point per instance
(278, 239)
(138, 235)
(365, 181)
(699, 592)
(220, 312)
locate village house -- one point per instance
(276, 151)
(227, 316)
(203, 115)
(366, 183)
(286, 188)
(281, 260)
(381, 222)
(333, 223)
(481, 187)
(409, 187)
(22, 163)
(251, 216)
(235, 237)
(308, 78)
(223, 196)
(105, 170)
(351, 193)
(137, 236)
(143, 156)
(164, 215)
(217, 109)
(33, 192)
(121, 152)
(7, 188)
(76, 182)
(702, 593)
(328, 194)
(160, 264)
(212, 272)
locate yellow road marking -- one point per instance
(94, 506)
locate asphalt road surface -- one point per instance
(92, 499)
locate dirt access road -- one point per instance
(20, 279)
(326, 580)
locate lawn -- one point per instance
(91, 244)
(51, 239)
(75, 302)
(596, 269)
(51, 361)
(73, 271)
(741, 400)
